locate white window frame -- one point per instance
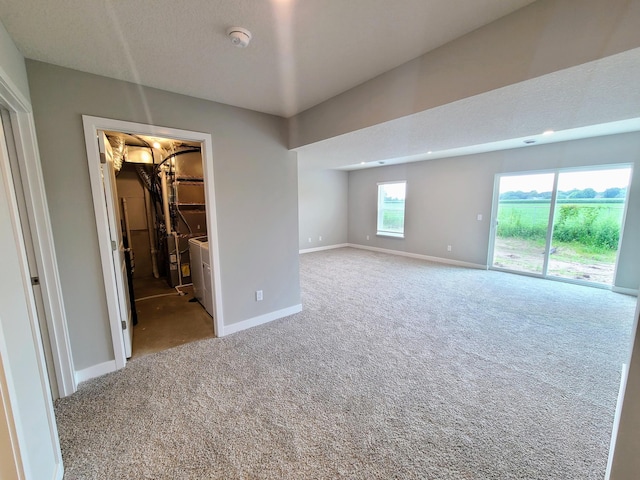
(379, 230)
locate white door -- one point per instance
(117, 243)
(29, 443)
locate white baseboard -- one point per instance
(319, 249)
(95, 371)
(261, 319)
(428, 258)
(624, 290)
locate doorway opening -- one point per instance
(160, 193)
(171, 214)
(566, 224)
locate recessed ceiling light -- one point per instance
(429, 152)
(548, 132)
(156, 145)
(362, 163)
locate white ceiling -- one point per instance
(306, 51)
(302, 53)
(596, 98)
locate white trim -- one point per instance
(261, 319)
(91, 127)
(34, 328)
(95, 371)
(625, 290)
(388, 182)
(27, 150)
(104, 243)
(13, 97)
(616, 418)
(47, 264)
(9, 406)
(26, 144)
(447, 261)
(319, 249)
(381, 233)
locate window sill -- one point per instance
(390, 234)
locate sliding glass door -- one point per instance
(565, 224)
(524, 206)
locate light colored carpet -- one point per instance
(396, 368)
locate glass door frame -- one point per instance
(552, 212)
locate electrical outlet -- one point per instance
(367, 237)
(309, 239)
(448, 248)
(259, 295)
(479, 217)
(320, 238)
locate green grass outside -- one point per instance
(591, 227)
(393, 220)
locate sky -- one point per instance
(395, 190)
(599, 180)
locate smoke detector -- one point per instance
(240, 37)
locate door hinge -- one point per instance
(35, 281)
(114, 245)
(124, 325)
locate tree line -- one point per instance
(613, 192)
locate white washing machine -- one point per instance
(201, 272)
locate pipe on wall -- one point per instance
(165, 201)
(151, 228)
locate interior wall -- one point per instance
(26, 404)
(626, 461)
(255, 183)
(445, 196)
(323, 209)
(543, 37)
(131, 188)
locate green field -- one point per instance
(594, 225)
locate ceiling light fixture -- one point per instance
(548, 132)
(156, 145)
(240, 37)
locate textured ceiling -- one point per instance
(302, 53)
(596, 98)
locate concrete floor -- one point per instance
(166, 321)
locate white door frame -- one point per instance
(24, 135)
(92, 125)
(19, 430)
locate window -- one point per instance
(391, 209)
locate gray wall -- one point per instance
(130, 187)
(436, 218)
(544, 37)
(26, 402)
(255, 183)
(626, 461)
(322, 204)
(12, 62)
